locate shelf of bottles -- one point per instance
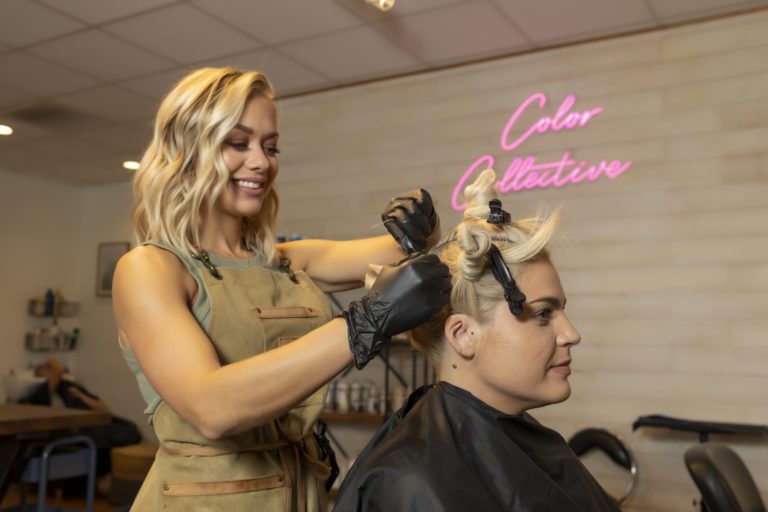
(59, 309)
(51, 337)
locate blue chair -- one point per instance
(725, 483)
(55, 464)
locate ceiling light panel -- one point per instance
(280, 22)
(365, 53)
(35, 76)
(549, 21)
(101, 11)
(444, 35)
(182, 33)
(101, 56)
(23, 22)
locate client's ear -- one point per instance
(461, 332)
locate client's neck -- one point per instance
(463, 377)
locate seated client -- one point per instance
(501, 347)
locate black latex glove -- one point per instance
(401, 298)
(410, 219)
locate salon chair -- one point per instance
(723, 479)
(65, 457)
(588, 439)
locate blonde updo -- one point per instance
(475, 291)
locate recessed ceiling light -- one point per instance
(5, 130)
(130, 165)
(382, 5)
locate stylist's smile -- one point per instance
(250, 186)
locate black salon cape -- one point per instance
(446, 450)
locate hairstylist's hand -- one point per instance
(410, 219)
(400, 299)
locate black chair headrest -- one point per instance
(590, 438)
(723, 479)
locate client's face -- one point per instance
(526, 360)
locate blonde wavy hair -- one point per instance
(464, 250)
(182, 172)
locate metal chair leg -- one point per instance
(91, 489)
(44, 466)
(42, 484)
(23, 490)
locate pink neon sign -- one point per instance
(525, 173)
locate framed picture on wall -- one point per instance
(106, 261)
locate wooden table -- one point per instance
(24, 419)
(18, 421)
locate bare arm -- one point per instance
(151, 296)
(340, 265)
(335, 266)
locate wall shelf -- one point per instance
(47, 335)
(48, 343)
(62, 309)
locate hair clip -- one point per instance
(285, 266)
(497, 215)
(206, 261)
(514, 297)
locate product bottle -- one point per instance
(48, 303)
(73, 338)
(342, 397)
(372, 405)
(57, 301)
(356, 397)
(330, 398)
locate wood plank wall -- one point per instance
(665, 267)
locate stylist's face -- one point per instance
(250, 152)
(526, 360)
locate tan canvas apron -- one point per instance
(274, 467)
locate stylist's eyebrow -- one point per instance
(246, 129)
(554, 301)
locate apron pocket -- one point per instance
(284, 340)
(221, 488)
(280, 334)
(287, 312)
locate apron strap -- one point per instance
(211, 451)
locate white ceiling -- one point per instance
(79, 79)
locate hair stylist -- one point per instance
(229, 334)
